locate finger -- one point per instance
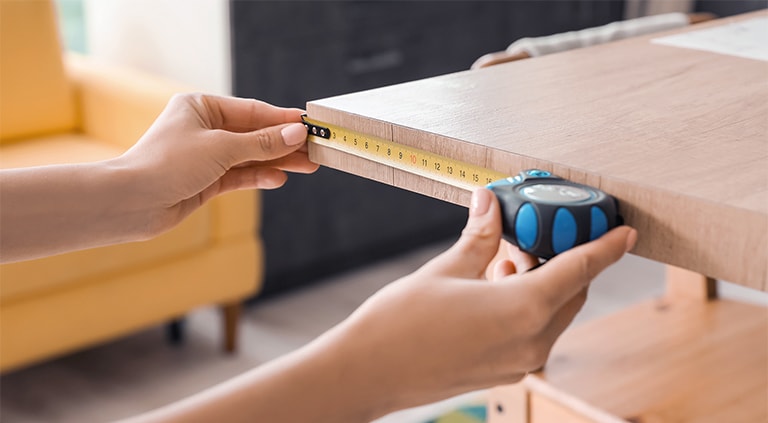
(523, 261)
(265, 144)
(562, 277)
(478, 244)
(296, 162)
(502, 269)
(501, 255)
(245, 114)
(250, 178)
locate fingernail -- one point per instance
(294, 134)
(481, 201)
(631, 239)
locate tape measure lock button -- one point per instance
(538, 173)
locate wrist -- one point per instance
(345, 385)
(129, 200)
(358, 367)
(60, 208)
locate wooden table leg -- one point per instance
(685, 284)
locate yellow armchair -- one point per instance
(57, 108)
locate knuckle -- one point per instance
(180, 98)
(200, 104)
(482, 232)
(192, 97)
(474, 240)
(265, 143)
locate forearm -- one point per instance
(318, 383)
(54, 209)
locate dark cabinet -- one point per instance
(289, 52)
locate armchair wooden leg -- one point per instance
(685, 284)
(230, 316)
(174, 331)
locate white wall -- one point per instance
(187, 40)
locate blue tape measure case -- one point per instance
(545, 215)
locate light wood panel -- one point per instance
(662, 360)
(544, 410)
(679, 136)
(686, 285)
(508, 404)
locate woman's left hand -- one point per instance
(202, 146)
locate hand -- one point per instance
(443, 330)
(202, 146)
(440, 331)
(199, 147)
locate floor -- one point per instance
(141, 372)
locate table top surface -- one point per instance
(679, 136)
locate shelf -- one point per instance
(657, 361)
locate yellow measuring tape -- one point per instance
(410, 159)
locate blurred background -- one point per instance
(290, 52)
(330, 239)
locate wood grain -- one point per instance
(662, 360)
(679, 136)
(508, 404)
(686, 285)
(544, 410)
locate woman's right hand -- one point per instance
(445, 329)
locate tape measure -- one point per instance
(420, 162)
(543, 214)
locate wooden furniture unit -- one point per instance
(337, 47)
(680, 137)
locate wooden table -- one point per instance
(680, 137)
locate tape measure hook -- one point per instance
(316, 130)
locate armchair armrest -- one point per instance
(117, 104)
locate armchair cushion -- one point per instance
(32, 277)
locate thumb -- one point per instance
(479, 242)
(265, 144)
